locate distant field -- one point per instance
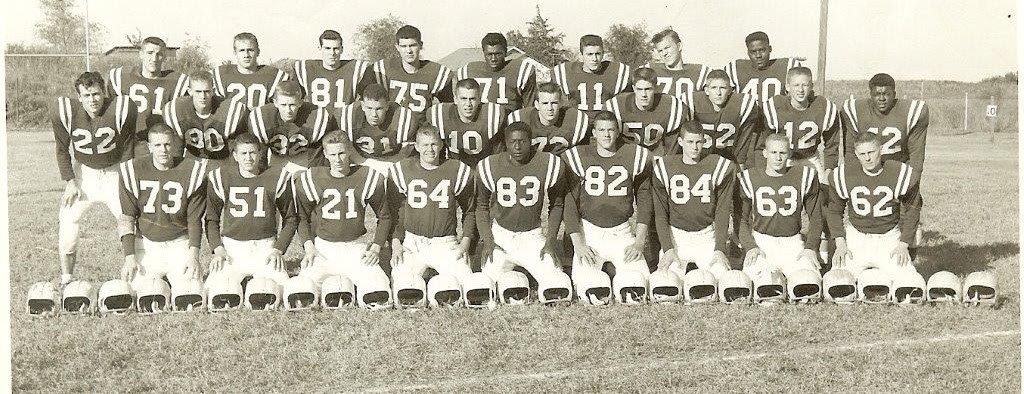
(970, 191)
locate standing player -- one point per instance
(588, 84)
(808, 120)
(675, 77)
(91, 139)
(760, 75)
(291, 128)
(693, 200)
(773, 199)
(881, 198)
(649, 119)
(206, 123)
(244, 202)
(555, 128)
(330, 82)
(247, 81)
(163, 199)
(382, 130)
(472, 130)
(510, 196)
(149, 85)
(432, 190)
(412, 82)
(731, 123)
(509, 83)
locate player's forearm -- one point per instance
(661, 220)
(910, 217)
(723, 212)
(284, 237)
(832, 147)
(385, 221)
(571, 212)
(644, 204)
(746, 231)
(64, 166)
(815, 220)
(555, 217)
(128, 244)
(196, 210)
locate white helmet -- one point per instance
(188, 295)
(513, 288)
(593, 287)
(735, 287)
(944, 286)
(116, 297)
(840, 286)
(410, 292)
(873, 286)
(804, 286)
(43, 300)
(478, 291)
(700, 286)
(262, 294)
(337, 292)
(374, 292)
(556, 289)
(665, 287)
(444, 290)
(79, 298)
(153, 296)
(980, 289)
(908, 288)
(224, 294)
(300, 293)
(770, 288)
(630, 287)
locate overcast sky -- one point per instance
(910, 39)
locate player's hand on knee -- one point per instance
(220, 258)
(129, 269)
(587, 255)
(902, 254)
(487, 252)
(275, 260)
(462, 249)
(751, 257)
(71, 193)
(191, 268)
(550, 248)
(397, 256)
(372, 255)
(719, 258)
(667, 259)
(842, 254)
(634, 251)
(810, 256)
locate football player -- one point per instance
(163, 198)
(611, 176)
(881, 199)
(693, 200)
(432, 191)
(509, 83)
(675, 77)
(588, 84)
(206, 123)
(773, 198)
(760, 75)
(731, 123)
(330, 82)
(649, 119)
(808, 120)
(291, 128)
(412, 82)
(333, 202)
(511, 189)
(555, 128)
(471, 129)
(149, 85)
(247, 81)
(381, 129)
(92, 137)
(244, 202)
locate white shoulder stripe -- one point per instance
(462, 178)
(218, 82)
(850, 106)
(128, 178)
(306, 180)
(283, 180)
(746, 185)
(747, 108)
(64, 110)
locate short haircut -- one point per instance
(798, 71)
(756, 36)
(330, 35)
(468, 83)
(866, 137)
(246, 36)
(881, 79)
(519, 126)
(155, 41)
(776, 137)
(408, 31)
(247, 138)
(667, 33)
(493, 39)
(427, 130)
(550, 88)
(291, 88)
(606, 116)
(204, 76)
(163, 129)
(375, 92)
(691, 127)
(717, 74)
(89, 79)
(591, 40)
(645, 74)
(336, 137)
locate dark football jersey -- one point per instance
(770, 82)
(514, 194)
(330, 88)
(588, 91)
(683, 82)
(875, 203)
(253, 90)
(150, 94)
(297, 141)
(246, 209)
(396, 130)
(334, 208)
(166, 204)
(655, 128)
(904, 129)
(731, 132)
(431, 198)
(207, 137)
(472, 141)
(806, 128)
(771, 205)
(98, 143)
(692, 197)
(604, 189)
(415, 91)
(568, 129)
(512, 87)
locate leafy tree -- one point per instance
(541, 42)
(375, 39)
(64, 29)
(193, 56)
(629, 44)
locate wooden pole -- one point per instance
(87, 68)
(822, 40)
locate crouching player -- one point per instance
(881, 199)
(772, 200)
(244, 201)
(332, 209)
(163, 198)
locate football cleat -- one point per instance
(840, 286)
(908, 288)
(153, 296)
(300, 294)
(478, 291)
(444, 291)
(630, 287)
(224, 295)
(944, 287)
(804, 286)
(374, 293)
(410, 292)
(594, 287)
(262, 294)
(873, 286)
(700, 286)
(514, 288)
(556, 290)
(665, 287)
(980, 289)
(79, 298)
(116, 297)
(735, 287)
(337, 292)
(189, 295)
(43, 300)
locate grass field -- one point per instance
(971, 212)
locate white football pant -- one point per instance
(159, 259)
(342, 258)
(696, 247)
(97, 186)
(520, 249)
(248, 258)
(439, 253)
(610, 245)
(872, 251)
(780, 254)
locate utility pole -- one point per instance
(822, 40)
(87, 54)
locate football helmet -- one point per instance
(804, 286)
(79, 298)
(410, 292)
(770, 289)
(225, 294)
(478, 291)
(735, 287)
(300, 293)
(840, 286)
(444, 290)
(153, 296)
(557, 289)
(116, 297)
(700, 286)
(593, 287)
(980, 289)
(873, 286)
(189, 295)
(630, 287)
(337, 292)
(665, 287)
(908, 288)
(944, 286)
(374, 292)
(262, 294)
(513, 288)
(43, 300)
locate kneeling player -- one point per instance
(244, 201)
(772, 200)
